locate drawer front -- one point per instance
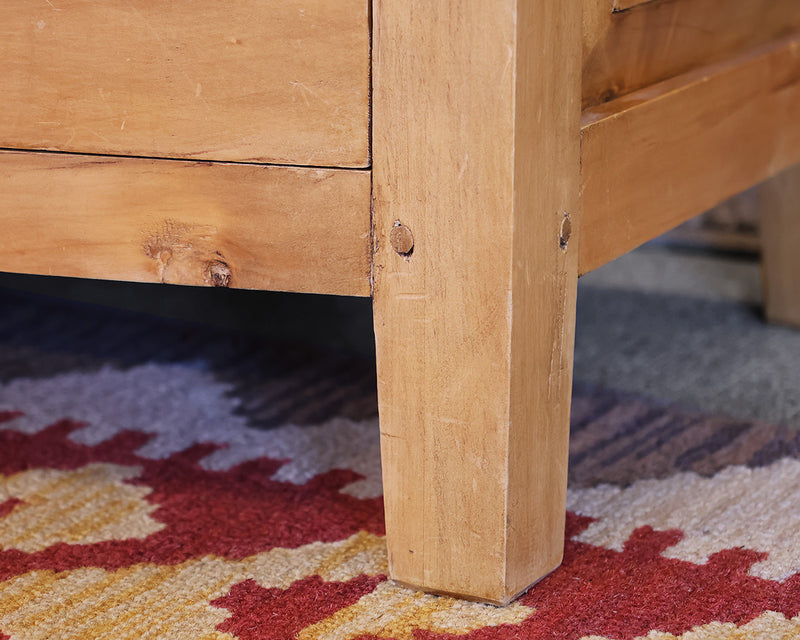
(645, 42)
(279, 81)
(179, 222)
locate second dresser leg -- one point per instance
(476, 178)
(779, 205)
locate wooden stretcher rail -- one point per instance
(197, 223)
(640, 43)
(661, 155)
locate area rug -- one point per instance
(163, 480)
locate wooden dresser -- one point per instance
(460, 161)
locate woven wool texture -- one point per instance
(159, 480)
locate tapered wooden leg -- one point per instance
(475, 183)
(779, 204)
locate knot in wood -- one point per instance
(401, 239)
(219, 274)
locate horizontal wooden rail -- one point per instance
(661, 155)
(199, 223)
(640, 43)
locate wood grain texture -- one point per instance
(476, 152)
(659, 156)
(251, 227)
(660, 39)
(267, 81)
(779, 204)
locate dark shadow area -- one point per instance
(333, 322)
(289, 357)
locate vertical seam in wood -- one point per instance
(370, 28)
(373, 248)
(373, 241)
(510, 328)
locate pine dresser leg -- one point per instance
(779, 204)
(476, 156)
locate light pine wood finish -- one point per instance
(252, 227)
(270, 81)
(476, 152)
(779, 203)
(657, 40)
(657, 157)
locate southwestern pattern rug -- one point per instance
(163, 480)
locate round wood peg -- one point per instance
(566, 231)
(401, 238)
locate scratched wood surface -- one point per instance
(267, 81)
(253, 227)
(659, 156)
(656, 40)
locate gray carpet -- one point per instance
(687, 327)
